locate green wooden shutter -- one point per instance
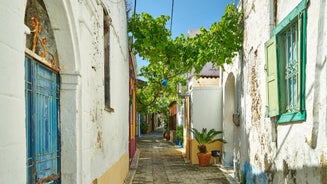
(272, 77)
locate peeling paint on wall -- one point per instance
(289, 174)
(255, 94)
(278, 149)
(99, 139)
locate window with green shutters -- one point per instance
(285, 67)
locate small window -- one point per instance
(285, 67)
(106, 38)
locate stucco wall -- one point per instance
(271, 152)
(92, 139)
(12, 92)
(104, 134)
(258, 147)
(304, 145)
(206, 107)
(206, 111)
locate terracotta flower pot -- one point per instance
(204, 159)
(166, 135)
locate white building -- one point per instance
(276, 92)
(201, 108)
(64, 117)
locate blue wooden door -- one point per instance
(42, 123)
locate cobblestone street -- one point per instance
(160, 162)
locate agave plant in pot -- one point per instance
(204, 138)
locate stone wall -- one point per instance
(271, 152)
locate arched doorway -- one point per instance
(52, 128)
(228, 125)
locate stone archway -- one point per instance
(64, 27)
(228, 125)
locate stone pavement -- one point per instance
(158, 161)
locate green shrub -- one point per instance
(179, 132)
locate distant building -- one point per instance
(201, 107)
(172, 120)
(132, 105)
(64, 92)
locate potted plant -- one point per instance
(204, 138)
(179, 135)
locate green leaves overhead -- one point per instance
(172, 58)
(151, 35)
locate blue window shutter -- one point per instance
(272, 96)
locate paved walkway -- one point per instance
(160, 162)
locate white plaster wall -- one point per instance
(284, 7)
(12, 92)
(92, 139)
(206, 108)
(99, 138)
(104, 134)
(284, 153)
(228, 125)
(256, 142)
(64, 20)
(180, 120)
(232, 75)
(303, 146)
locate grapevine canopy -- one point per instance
(171, 58)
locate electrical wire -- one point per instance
(172, 14)
(134, 9)
(134, 17)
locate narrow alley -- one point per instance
(88, 87)
(160, 162)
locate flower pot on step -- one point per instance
(204, 138)
(204, 159)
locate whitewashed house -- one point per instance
(275, 93)
(64, 94)
(202, 106)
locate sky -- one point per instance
(187, 14)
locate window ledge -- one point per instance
(292, 117)
(109, 109)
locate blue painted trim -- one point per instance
(290, 17)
